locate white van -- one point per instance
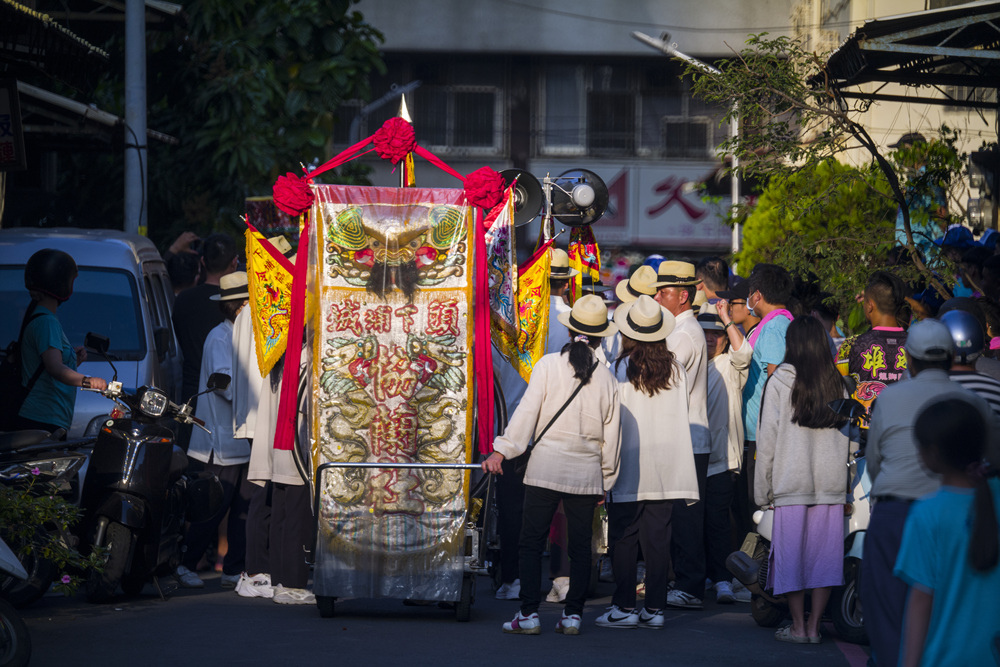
(123, 292)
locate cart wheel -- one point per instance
(463, 608)
(326, 605)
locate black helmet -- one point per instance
(51, 272)
(966, 334)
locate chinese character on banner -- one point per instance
(270, 286)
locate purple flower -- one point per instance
(66, 579)
(36, 472)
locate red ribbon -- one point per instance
(286, 423)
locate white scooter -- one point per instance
(750, 564)
(15, 642)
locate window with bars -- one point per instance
(618, 110)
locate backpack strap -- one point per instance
(29, 316)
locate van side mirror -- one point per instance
(161, 339)
(97, 343)
(218, 381)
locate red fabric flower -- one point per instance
(292, 194)
(484, 188)
(394, 139)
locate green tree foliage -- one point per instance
(792, 123)
(251, 90)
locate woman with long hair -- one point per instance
(657, 462)
(571, 412)
(802, 453)
(950, 553)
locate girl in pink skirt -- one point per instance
(802, 453)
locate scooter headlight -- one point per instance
(153, 403)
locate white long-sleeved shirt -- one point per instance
(216, 407)
(727, 373)
(580, 452)
(687, 342)
(246, 376)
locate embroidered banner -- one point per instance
(502, 266)
(270, 285)
(269, 220)
(391, 383)
(532, 313)
(585, 257)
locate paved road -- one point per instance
(212, 627)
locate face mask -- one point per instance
(750, 308)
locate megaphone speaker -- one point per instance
(527, 195)
(579, 198)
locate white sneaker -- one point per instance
(257, 586)
(511, 591)
(229, 580)
(523, 625)
(187, 578)
(560, 587)
(284, 595)
(568, 625)
(616, 617)
(724, 593)
(740, 592)
(681, 600)
(652, 620)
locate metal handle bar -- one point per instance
(379, 464)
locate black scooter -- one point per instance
(136, 496)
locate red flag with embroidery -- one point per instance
(585, 257)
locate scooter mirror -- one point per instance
(219, 381)
(97, 343)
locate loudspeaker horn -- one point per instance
(527, 195)
(579, 197)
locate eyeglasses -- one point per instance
(741, 302)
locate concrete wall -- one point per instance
(703, 27)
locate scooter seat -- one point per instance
(178, 463)
(12, 440)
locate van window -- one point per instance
(159, 292)
(105, 301)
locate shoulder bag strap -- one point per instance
(564, 406)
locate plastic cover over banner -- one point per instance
(392, 382)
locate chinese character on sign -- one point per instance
(442, 318)
(672, 187)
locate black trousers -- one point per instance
(743, 503)
(687, 548)
(510, 510)
(539, 508)
(643, 524)
(884, 595)
(719, 491)
(258, 531)
(236, 492)
(292, 535)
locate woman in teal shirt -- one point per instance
(46, 355)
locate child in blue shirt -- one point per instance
(949, 552)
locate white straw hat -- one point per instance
(708, 318)
(640, 282)
(676, 274)
(232, 286)
(559, 268)
(644, 319)
(589, 316)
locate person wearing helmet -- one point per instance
(48, 361)
(970, 341)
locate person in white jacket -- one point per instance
(802, 452)
(574, 461)
(657, 462)
(727, 373)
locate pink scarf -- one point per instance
(755, 334)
